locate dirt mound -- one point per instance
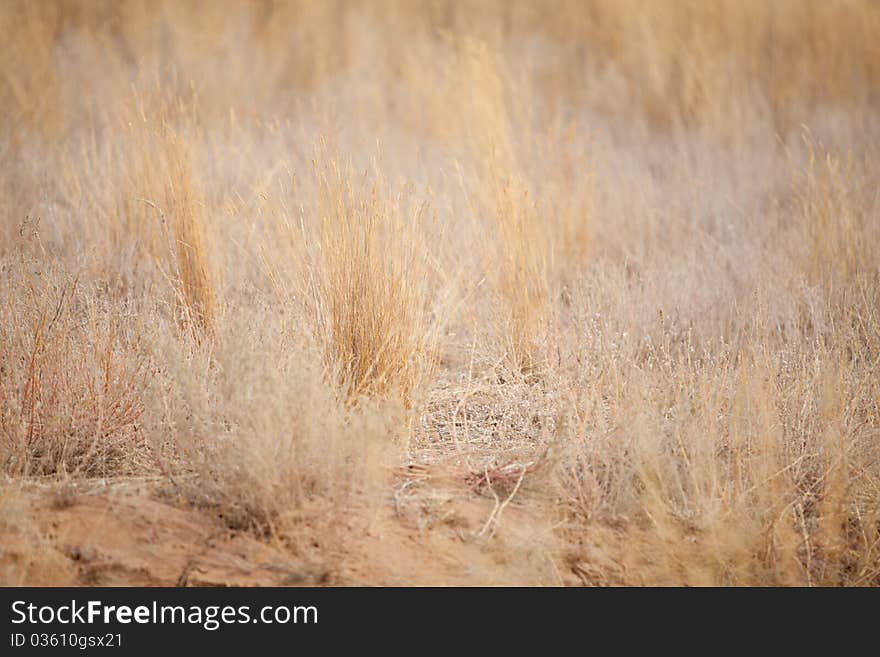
(132, 539)
(131, 535)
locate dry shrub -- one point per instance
(733, 493)
(257, 431)
(70, 382)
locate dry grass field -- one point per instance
(573, 292)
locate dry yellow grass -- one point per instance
(366, 285)
(600, 274)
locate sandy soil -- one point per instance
(134, 533)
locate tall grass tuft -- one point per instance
(366, 286)
(185, 212)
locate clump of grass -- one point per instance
(143, 191)
(160, 203)
(366, 285)
(524, 172)
(524, 282)
(257, 433)
(516, 244)
(185, 211)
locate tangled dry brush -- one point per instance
(605, 270)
